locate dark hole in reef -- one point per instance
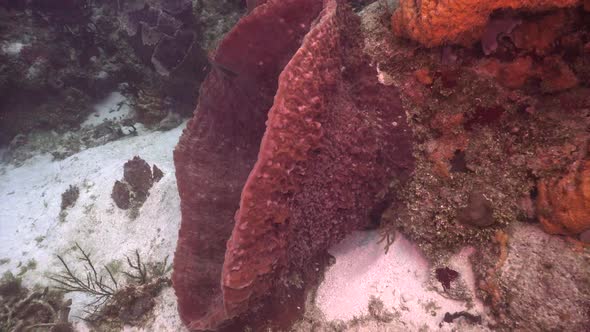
(534, 192)
(458, 162)
(172, 51)
(450, 317)
(524, 109)
(506, 51)
(446, 276)
(531, 216)
(449, 78)
(484, 116)
(570, 53)
(505, 38)
(377, 212)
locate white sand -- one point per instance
(114, 107)
(13, 48)
(31, 230)
(398, 278)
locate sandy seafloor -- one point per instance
(31, 233)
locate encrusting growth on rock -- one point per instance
(478, 212)
(564, 203)
(490, 283)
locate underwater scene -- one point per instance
(294, 165)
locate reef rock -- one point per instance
(434, 23)
(538, 34)
(553, 73)
(564, 203)
(545, 283)
(334, 140)
(478, 212)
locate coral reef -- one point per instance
(65, 59)
(61, 146)
(501, 146)
(56, 62)
(471, 155)
(165, 36)
(492, 124)
(217, 17)
(553, 73)
(435, 23)
(335, 145)
(538, 34)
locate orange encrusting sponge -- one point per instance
(564, 204)
(438, 22)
